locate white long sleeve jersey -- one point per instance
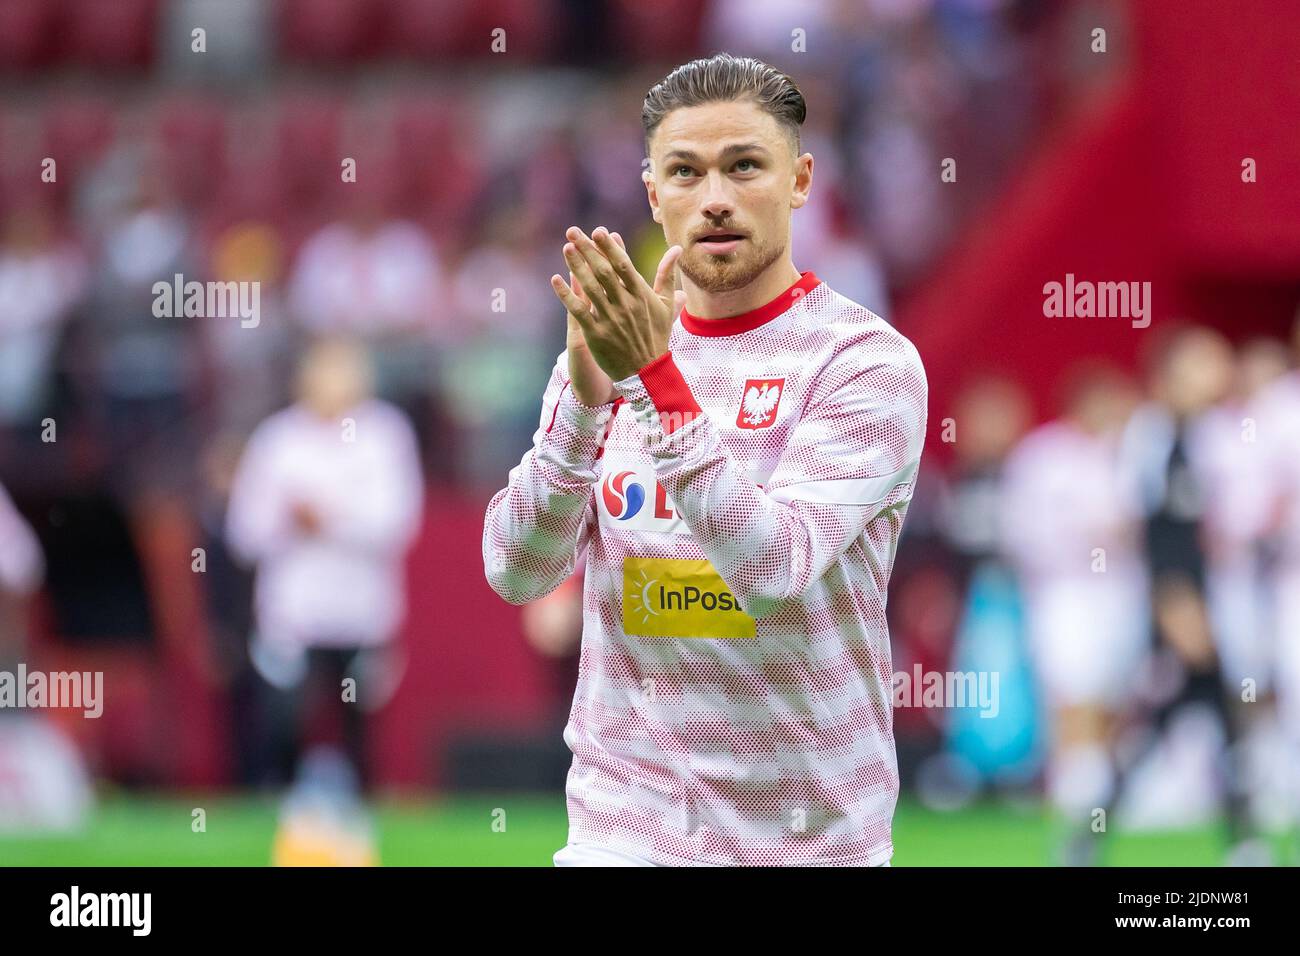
(739, 507)
(345, 585)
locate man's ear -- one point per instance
(652, 196)
(803, 174)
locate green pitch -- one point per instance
(132, 831)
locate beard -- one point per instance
(735, 270)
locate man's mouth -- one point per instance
(721, 242)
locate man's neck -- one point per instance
(723, 305)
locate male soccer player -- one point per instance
(736, 462)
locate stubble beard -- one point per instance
(727, 273)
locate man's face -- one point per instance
(724, 182)
(333, 378)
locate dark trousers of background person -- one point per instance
(284, 718)
(1178, 573)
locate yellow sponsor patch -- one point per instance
(667, 597)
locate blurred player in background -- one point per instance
(1278, 409)
(1237, 466)
(1173, 449)
(755, 438)
(325, 503)
(1241, 558)
(1070, 530)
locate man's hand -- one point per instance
(305, 518)
(591, 386)
(624, 321)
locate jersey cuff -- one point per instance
(667, 390)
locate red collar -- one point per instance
(746, 321)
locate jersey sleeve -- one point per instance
(256, 522)
(537, 527)
(853, 456)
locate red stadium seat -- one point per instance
(308, 150)
(26, 33)
(422, 133)
(76, 134)
(438, 170)
(530, 27)
(432, 29)
(328, 30)
(665, 30)
(248, 184)
(116, 35)
(192, 137)
(19, 155)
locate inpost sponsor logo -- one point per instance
(75, 908)
(208, 300)
(78, 690)
(667, 597)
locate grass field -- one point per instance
(135, 831)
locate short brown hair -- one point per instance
(723, 78)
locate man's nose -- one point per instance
(716, 203)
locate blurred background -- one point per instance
(1106, 517)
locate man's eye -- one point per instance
(746, 162)
(680, 168)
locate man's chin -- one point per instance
(722, 273)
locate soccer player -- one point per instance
(1171, 454)
(1071, 528)
(735, 460)
(325, 503)
(1278, 412)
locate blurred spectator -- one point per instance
(552, 626)
(251, 359)
(379, 280)
(237, 44)
(992, 416)
(506, 320)
(827, 232)
(325, 503)
(1000, 748)
(763, 28)
(138, 369)
(41, 278)
(369, 276)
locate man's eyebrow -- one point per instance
(692, 157)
